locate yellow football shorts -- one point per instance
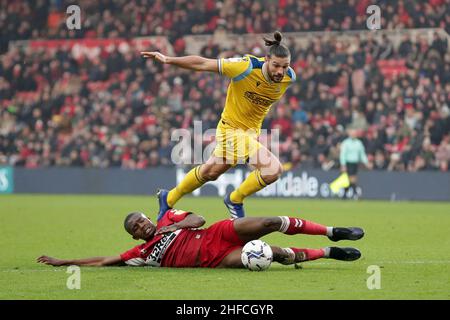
(235, 145)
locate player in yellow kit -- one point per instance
(256, 83)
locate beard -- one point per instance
(276, 78)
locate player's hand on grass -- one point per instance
(166, 229)
(155, 55)
(50, 261)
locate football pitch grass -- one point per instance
(408, 241)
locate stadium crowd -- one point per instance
(117, 109)
(45, 19)
(114, 109)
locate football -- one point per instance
(257, 255)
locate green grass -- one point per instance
(410, 241)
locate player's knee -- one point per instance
(279, 170)
(272, 223)
(273, 174)
(211, 175)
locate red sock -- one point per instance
(295, 225)
(310, 254)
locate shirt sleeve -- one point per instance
(363, 155)
(175, 215)
(235, 67)
(133, 257)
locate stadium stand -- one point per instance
(92, 101)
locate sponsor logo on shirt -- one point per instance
(155, 257)
(258, 99)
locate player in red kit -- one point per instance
(175, 241)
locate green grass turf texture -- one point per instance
(409, 241)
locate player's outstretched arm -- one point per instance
(93, 262)
(195, 63)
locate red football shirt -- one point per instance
(174, 249)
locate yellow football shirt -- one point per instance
(250, 95)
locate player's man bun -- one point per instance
(277, 36)
(276, 48)
(277, 39)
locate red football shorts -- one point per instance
(220, 240)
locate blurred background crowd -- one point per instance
(114, 109)
(21, 19)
